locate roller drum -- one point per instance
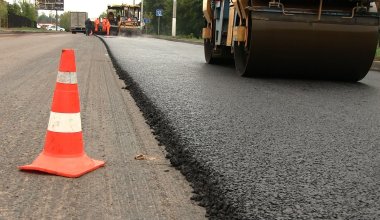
(334, 48)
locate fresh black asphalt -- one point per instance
(258, 148)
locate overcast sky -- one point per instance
(93, 7)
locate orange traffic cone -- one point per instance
(63, 153)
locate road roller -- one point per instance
(124, 19)
(334, 39)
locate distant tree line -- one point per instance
(18, 14)
(43, 18)
(3, 13)
(64, 20)
(189, 17)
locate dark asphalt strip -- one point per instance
(204, 182)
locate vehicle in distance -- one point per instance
(52, 28)
(78, 22)
(335, 39)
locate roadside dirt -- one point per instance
(114, 131)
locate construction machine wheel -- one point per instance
(242, 52)
(297, 46)
(208, 45)
(208, 48)
(216, 54)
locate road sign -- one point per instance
(159, 12)
(50, 5)
(146, 20)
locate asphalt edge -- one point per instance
(203, 181)
(168, 38)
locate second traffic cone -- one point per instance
(63, 153)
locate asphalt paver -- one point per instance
(258, 148)
(114, 131)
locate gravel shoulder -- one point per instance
(114, 131)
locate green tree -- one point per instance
(64, 20)
(43, 18)
(51, 18)
(103, 15)
(189, 16)
(23, 8)
(14, 9)
(3, 13)
(28, 10)
(150, 7)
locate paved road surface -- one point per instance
(114, 131)
(266, 148)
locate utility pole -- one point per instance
(56, 20)
(142, 15)
(174, 22)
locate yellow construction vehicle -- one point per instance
(124, 19)
(315, 38)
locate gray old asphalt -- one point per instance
(265, 148)
(114, 131)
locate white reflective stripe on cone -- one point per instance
(65, 122)
(67, 77)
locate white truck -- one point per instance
(77, 22)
